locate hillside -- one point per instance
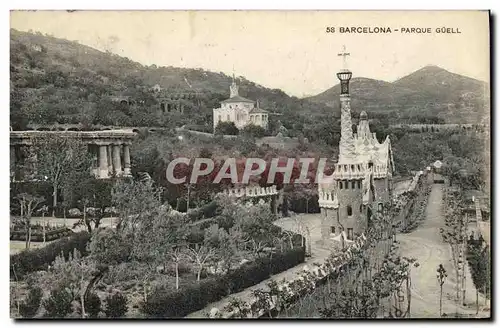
(430, 91)
(55, 80)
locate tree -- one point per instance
(95, 193)
(58, 304)
(254, 131)
(226, 244)
(110, 247)
(58, 158)
(200, 255)
(74, 275)
(28, 205)
(226, 128)
(134, 200)
(29, 307)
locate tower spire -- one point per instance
(346, 146)
(233, 89)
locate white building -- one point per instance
(240, 110)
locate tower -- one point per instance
(233, 89)
(346, 146)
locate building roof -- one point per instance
(257, 110)
(237, 99)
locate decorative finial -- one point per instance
(344, 55)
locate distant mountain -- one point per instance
(56, 80)
(428, 91)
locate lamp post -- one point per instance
(441, 277)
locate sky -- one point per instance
(287, 50)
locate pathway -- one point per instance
(426, 245)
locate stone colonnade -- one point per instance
(110, 150)
(112, 159)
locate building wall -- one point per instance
(382, 190)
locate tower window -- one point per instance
(349, 210)
(370, 165)
(349, 234)
(380, 207)
(353, 184)
(359, 184)
(347, 185)
(332, 229)
(340, 185)
(162, 106)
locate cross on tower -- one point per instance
(344, 55)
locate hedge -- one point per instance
(37, 236)
(40, 258)
(164, 304)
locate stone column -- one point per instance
(103, 162)
(117, 162)
(13, 162)
(110, 159)
(126, 160)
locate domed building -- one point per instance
(240, 110)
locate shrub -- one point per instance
(39, 259)
(207, 211)
(109, 246)
(164, 304)
(93, 305)
(226, 128)
(37, 236)
(116, 305)
(58, 304)
(29, 307)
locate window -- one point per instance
(340, 185)
(219, 118)
(349, 210)
(359, 184)
(380, 207)
(347, 185)
(162, 106)
(361, 208)
(353, 184)
(370, 165)
(332, 229)
(349, 234)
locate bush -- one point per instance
(39, 259)
(165, 304)
(226, 128)
(37, 236)
(109, 247)
(93, 305)
(207, 211)
(116, 305)
(58, 304)
(29, 307)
